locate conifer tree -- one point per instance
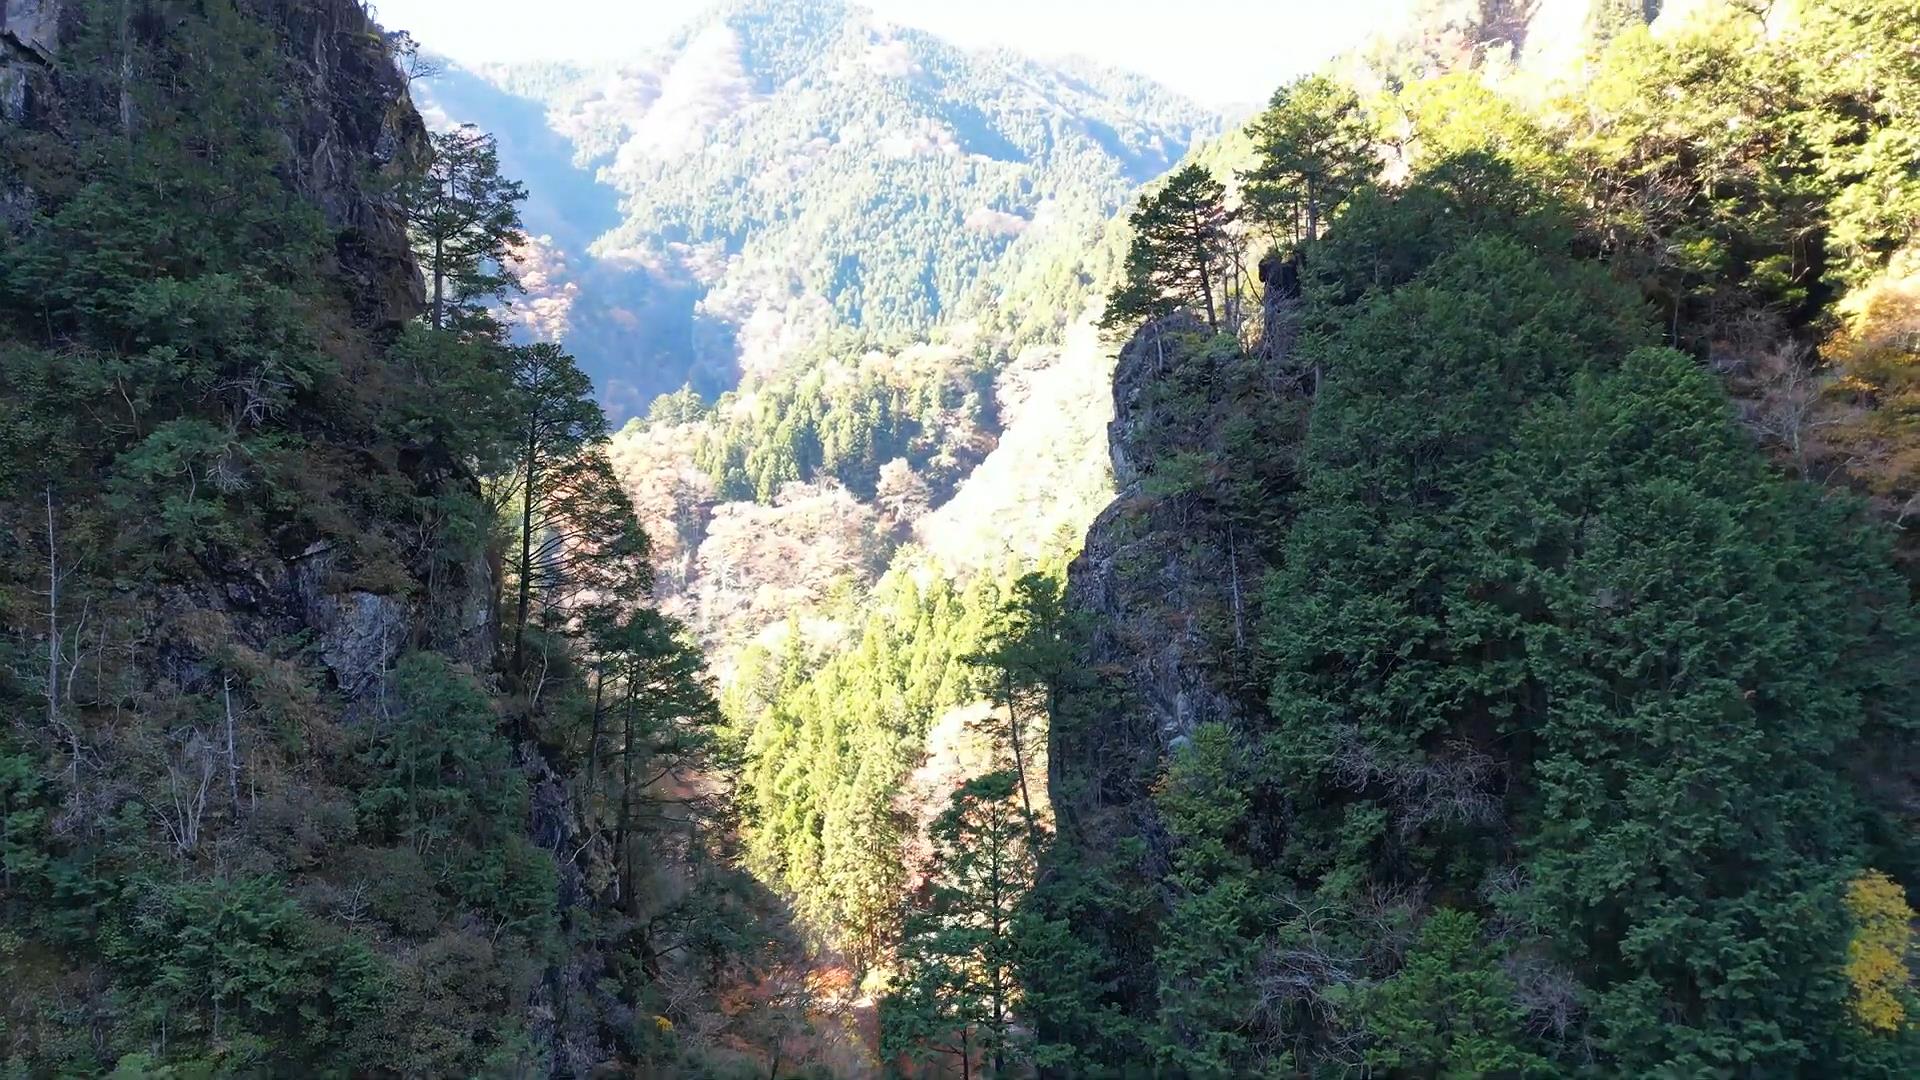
(664, 711)
(559, 481)
(1027, 657)
(1182, 236)
(1449, 1011)
(465, 220)
(956, 993)
(1718, 646)
(1315, 149)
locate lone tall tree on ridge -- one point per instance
(1181, 241)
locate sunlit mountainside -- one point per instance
(786, 169)
(809, 552)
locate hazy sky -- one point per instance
(1236, 54)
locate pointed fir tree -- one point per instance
(956, 992)
(464, 217)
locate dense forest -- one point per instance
(342, 738)
(780, 169)
(1559, 713)
(1495, 655)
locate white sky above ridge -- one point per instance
(1236, 53)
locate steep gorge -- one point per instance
(1484, 665)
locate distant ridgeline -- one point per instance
(1500, 658)
(785, 169)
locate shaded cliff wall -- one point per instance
(1166, 591)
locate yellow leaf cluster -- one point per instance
(1877, 955)
(1876, 389)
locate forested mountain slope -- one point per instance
(786, 168)
(1495, 656)
(341, 735)
(1490, 666)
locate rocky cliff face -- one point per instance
(29, 40)
(353, 127)
(291, 629)
(1169, 581)
(356, 127)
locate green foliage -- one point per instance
(464, 219)
(196, 955)
(1716, 644)
(1449, 1011)
(1773, 169)
(1367, 669)
(1085, 915)
(458, 396)
(683, 406)
(253, 818)
(439, 771)
(828, 743)
(819, 422)
(966, 191)
(955, 993)
(1028, 657)
(1388, 237)
(576, 529)
(1458, 114)
(1702, 195)
(1179, 253)
(1210, 944)
(1577, 724)
(1558, 670)
(1314, 149)
(1863, 86)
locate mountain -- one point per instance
(783, 169)
(274, 800)
(1480, 658)
(1467, 630)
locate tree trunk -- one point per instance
(233, 761)
(1313, 209)
(526, 538)
(624, 856)
(1019, 757)
(126, 71)
(1206, 275)
(53, 617)
(439, 266)
(1239, 620)
(593, 744)
(999, 983)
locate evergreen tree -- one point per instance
(956, 992)
(1216, 914)
(653, 686)
(1716, 645)
(1027, 655)
(1449, 1011)
(1181, 239)
(1314, 149)
(554, 477)
(465, 220)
